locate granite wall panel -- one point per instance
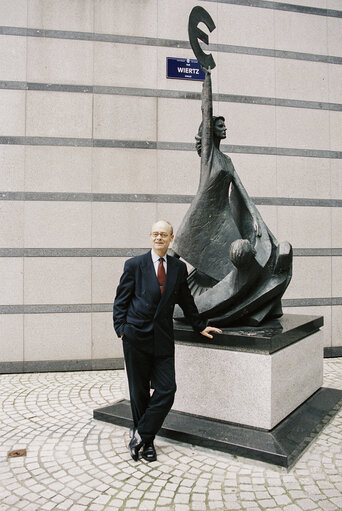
(64, 61)
(57, 337)
(58, 169)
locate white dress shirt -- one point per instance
(155, 259)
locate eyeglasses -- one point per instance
(161, 234)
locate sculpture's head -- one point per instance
(241, 253)
(219, 127)
(219, 132)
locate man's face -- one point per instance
(161, 237)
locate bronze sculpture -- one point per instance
(240, 270)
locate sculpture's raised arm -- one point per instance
(207, 118)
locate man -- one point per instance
(149, 288)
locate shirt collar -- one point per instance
(156, 257)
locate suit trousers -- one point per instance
(145, 372)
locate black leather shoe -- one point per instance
(135, 445)
(149, 452)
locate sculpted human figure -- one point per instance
(216, 214)
(240, 270)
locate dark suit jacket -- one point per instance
(142, 314)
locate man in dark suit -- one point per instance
(149, 288)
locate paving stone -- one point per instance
(163, 501)
(267, 503)
(196, 487)
(147, 505)
(306, 504)
(245, 495)
(337, 501)
(332, 493)
(197, 506)
(234, 505)
(249, 505)
(215, 505)
(198, 497)
(182, 498)
(102, 499)
(313, 489)
(262, 495)
(297, 494)
(281, 500)
(324, 484)
(132, 503)
(48, 506)
(167, 493)
(275, 490)
(292, 485)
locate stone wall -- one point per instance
(96, 143)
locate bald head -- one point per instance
(161, 236)
(166, 225)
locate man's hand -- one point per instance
(208, 329)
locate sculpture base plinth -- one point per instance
(282, 446)
(252, 392)
(250, 376)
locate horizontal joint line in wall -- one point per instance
(281, 6)
(108, 307)
(56, 308)
(157, 198)
(168, 94)
(72, 252)
(315, 302)
(165, 146)
(94, 364)
(131, 252)
(168, 43)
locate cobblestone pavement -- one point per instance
(76, 463)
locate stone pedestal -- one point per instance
(257, 381)
(252, 392)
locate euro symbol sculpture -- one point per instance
(200, 15)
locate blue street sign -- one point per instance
(184, 69)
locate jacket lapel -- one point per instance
(150, 277)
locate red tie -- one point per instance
(161, 275)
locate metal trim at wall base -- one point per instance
(46, 366)
(282, 446)
(332, 351)
(102, 364)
